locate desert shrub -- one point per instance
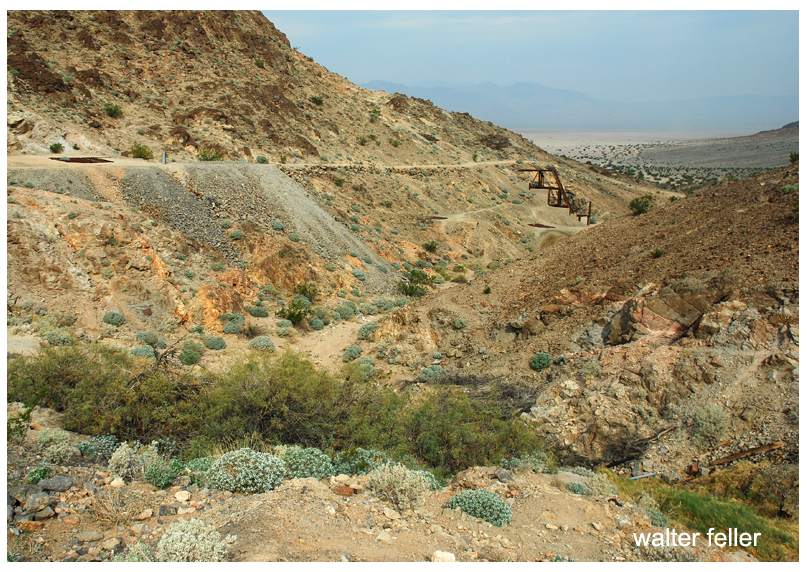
(657, 517)
(359, 275)
(536, 461)
(56, 147)
(258, 312)
(307, 289)
(192, 541)
(283, 332)
(232, 327)
(297, 311)
(541, 361)
(137, 552)
(369, 309)
(215, 343)
(60, 339)
(484, 504)
(59, 453)
(262, 343)
(161, 472)
(146, 352)
(577, 488)
(261, 159)
(191, 352)
(113, 110)
(102, 447)
(148, 338)
(641, 205)
(601, 486)
(125, 463)
(114, 318)
(346, 309)
(494, 265)
(40, 473)
(431, 246)
(676, 553)
(397, 484)
(316, 99)
(367, 330)
(309, 462)
(431, 373)
(225, 224)
(216, 266)
(352, 353)
(232, 317)
(294, 237)
(794, 157)
(138, 151)
(246, 471)
(316, 324)
(277, 225)
(283, 323)
(72, 215)
(657, 253)
(358, 461)
(360, 370)
(592, 368)
(710, 427)
(236, 235)
(208, 154)
(459, 323)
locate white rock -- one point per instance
(440, 556)
(384, 536)
(117, 483)
(391, 514)
(183, 496)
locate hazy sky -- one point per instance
(613, 55)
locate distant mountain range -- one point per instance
(534, 106)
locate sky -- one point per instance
(625, 56)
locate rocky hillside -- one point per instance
(648, 319)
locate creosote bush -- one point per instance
(641, 205)
(484, 504)
(246, 471)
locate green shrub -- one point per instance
(215, 343)
(794, 157)
(431, 246)
(236, 235)
(162, 473)
(189, 357)
(40, 473)
(114, 318)
(316, 324)
(346, 309)
(577, 488)
(56, 147)
(283, 323)
(232, 317)
(138, 151)
(261, 159)
(124, 463)
(216, 266)
(431, 373)
(367, 329)
(146, 352)
(232, 327)
(225, 224)
(258, 312)
(352, 353)
(262, 343)
(60, 339)
(592, 369)
(399, 485)
(113, 110)
(294, 237)
(641, 205)
(307, 289)
(149, 338)
(710, 427)
(656, 253)
(541, 361)
(208, 154)
(359, 275)
(191, 541)
(277, 225)
(459, 323)
(316, 99)
(297, 311)
(246, 471)
(484, 504)
(309, 462)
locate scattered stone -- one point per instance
(435, 528)
(44, 514)
(343, 491)
(384, 536)
(89, 536)
(440, 556)
(146, 514)
(598, 526)
(30, 526)
(117, 483)
(71, 519)
(111, 543)
(58, 483)
(391, 514)
(183, 496)
(186, 510)
(551, 526)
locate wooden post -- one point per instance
(588, 220)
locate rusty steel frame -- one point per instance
(540, 180)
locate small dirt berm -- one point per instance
(556, 195)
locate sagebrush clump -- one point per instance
(483, 504)
(710, 427)
(246, 471)
(541, 361)
(125, 463)
(367, 330)
(601, 486)
(262, 343)
(114, 318)
(399, 485)
(352, 353)
(192, 541)
(215, 343)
